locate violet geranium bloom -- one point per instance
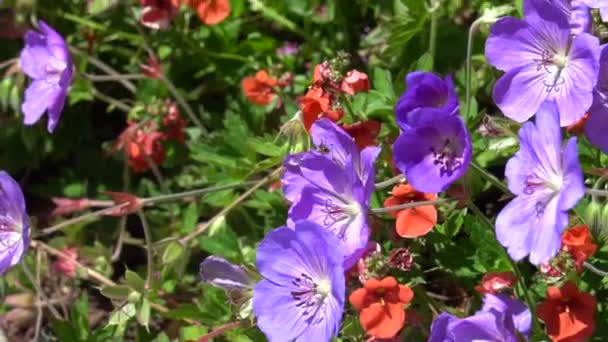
(335, 199)
(301, 297)
(542, 61)
(221, 273)
(332, 142)
(548, 181)
(500, 319)
(46, 59)
(435, 151)
(14, 223)
(425, 89)
(597, 124)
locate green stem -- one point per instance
(191, 193)
(389, 182)
(406, 206)
(521, 283)
(148, 238)
(468, 70)
(433, 34)
(349, 106)
(491, 178)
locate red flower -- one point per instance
(130, 203)
(173, 123)
(259, 89)
(364, 132)
(65, 265)
(210, 12)
(354, 82)
(495, 282)
(153, 69)
(142, 146)
(321, 74)
(381, 306)
(316, 104)
(577, 242)
(568, 313)
(412, 222)
(157, 14)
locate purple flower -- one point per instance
(332, 142)
(46, 59)
(425, 89)
(597, 124)
(542, 62)
(302, 294)
(335, 199)
(435, 151)
(221, 273)
(500, 319)
(548, 181)
(14, 223)
(602, 5)
(331, 185)
(288, 49)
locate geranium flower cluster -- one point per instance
(142, 142)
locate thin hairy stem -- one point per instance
(148, 238)
(407, 206)
(78, 219)
(468, 68)
(595, 270)
(105, 68)
(391, 181)
(203, 227)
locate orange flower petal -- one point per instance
(359, 299)
(213, 12)
(383, 321)
(416, 222)
(405, 294)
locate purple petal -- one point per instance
(367, 172)
(573, 188)
(543, 11)
(514, 225)
(39, 96)
(513, 309)
(276, 311)
(520, 92)
(34, 56)
(425, 90)
(485, 326)
(546, 233)
(338, 145)
(219, 272)
(55, 110)
(439, 328)
(509, 44)
(597, 126)
(351, 231)
(416, 151)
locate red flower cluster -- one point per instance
(157, 14)
(143, 143)
(577, 242)
(568, 313)
(496, 282)
(364, 132)
(320, 100)
(65, 264)
(259, 89)
(381, 304)
(210, 12)
(412, 222)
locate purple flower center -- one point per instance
(310, 296)
(335, 213)
(553, 63)
(448, 156)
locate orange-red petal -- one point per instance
(416, 222)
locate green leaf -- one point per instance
(383, 83)
(264, 147)
(121, 316)
(173, 252)
(81, 316)
(135, 281)
(116, 291)
(190, 218)
(192, 333)
(425, 62)
(143, 315)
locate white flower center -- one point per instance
(324, 287)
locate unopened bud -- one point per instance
(492, 14)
